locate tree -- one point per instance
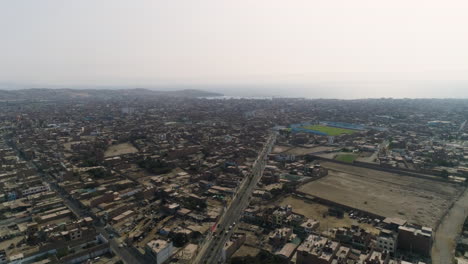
(262, 257)
(62, 252)
(445, 174)
(309, 158)
(194, 204)
(289, 188)
(154, 166)
(179, 239)
(99, 173)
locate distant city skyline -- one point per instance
(314, 49)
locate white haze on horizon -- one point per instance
(315, 49)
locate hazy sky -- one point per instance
(317, 48)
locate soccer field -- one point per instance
(349, 158)
(331, 131)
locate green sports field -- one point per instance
(349, 158)
(331, 131)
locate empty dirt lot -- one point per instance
(120, 149)
(417, 200)
(319, 212)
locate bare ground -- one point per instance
(120, 149)
(316, 211)
(279, 149)
(417, 200)
(244, 251)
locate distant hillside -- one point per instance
(66, 94)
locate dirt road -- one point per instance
(449, 228)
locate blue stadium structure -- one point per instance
(343, 125)
(301, 129)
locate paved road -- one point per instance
(210, 249)
(444, 243)
(462, 126)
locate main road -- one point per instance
(462, 126)
(211, 248)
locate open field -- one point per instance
(331, 131)
(244, 251)
(387, 194)
(120, 149)
(368, 157)
(279, 149)
(316, 211)
(349, 158)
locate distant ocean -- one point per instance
(226, 97)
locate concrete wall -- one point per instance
(406, 172)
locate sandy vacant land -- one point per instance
(120, 149)
(417, 200)
(317, 211)
(279, 149)
(246, 251)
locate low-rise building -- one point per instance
(316, 250)
(417, 240)
(387, 241)
(309, 226)
(159, 250)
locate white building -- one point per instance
(159, 250)
(310, 226)
(128, 110)
(387, 241)
(36, 189)
(3, 257)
